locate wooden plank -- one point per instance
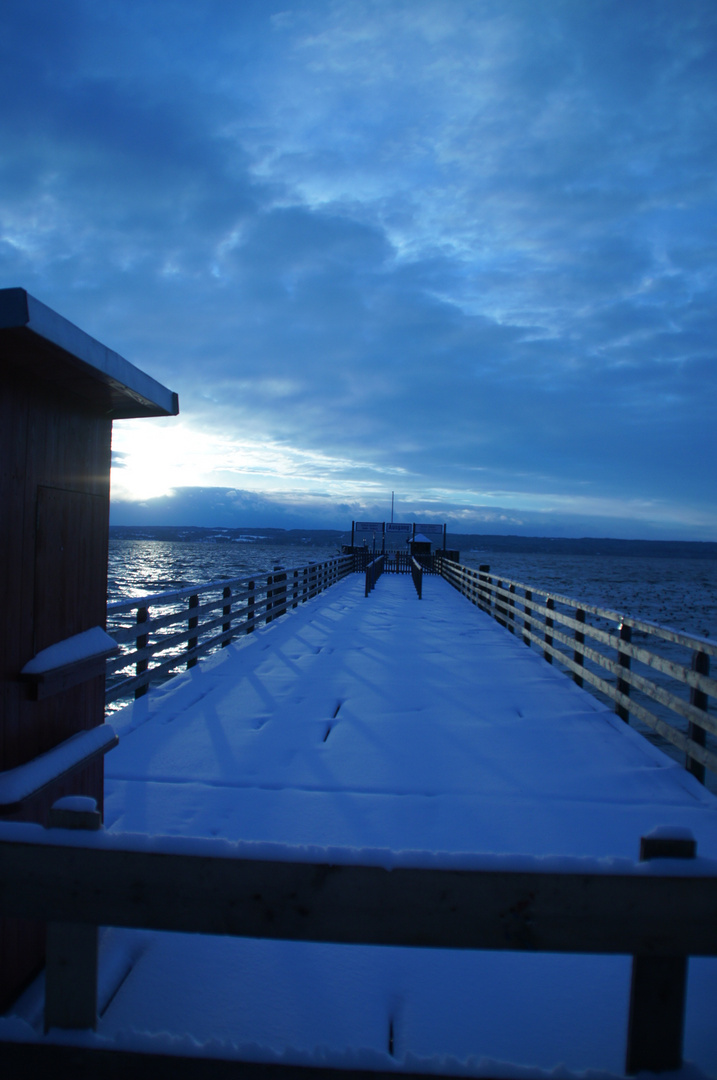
(556, 912)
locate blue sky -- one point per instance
(463, 250)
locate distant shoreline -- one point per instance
(475, 543)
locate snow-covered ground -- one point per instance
(394, 725)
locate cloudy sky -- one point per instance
(463, 250)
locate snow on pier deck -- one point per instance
(400, 725)
(389, 722)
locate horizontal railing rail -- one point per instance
(652, 673)
(166, 632)
(654, 913)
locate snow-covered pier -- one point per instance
(393, 733)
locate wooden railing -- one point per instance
(656, 675)
(657, 914)
(373, 572)
(394, 562)
(160, 635)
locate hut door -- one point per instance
(70, 588)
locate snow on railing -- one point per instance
(666, 692)
(159, 635)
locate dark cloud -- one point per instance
(472, 242)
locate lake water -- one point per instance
(142, 567)
(676, 592)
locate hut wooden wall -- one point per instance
(54, 507)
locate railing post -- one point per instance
(305, 591)
(226, 611)
(71, 948)
(417, 575)
(193, 624)
(499, 608)
(550, 605)
(698, 698)
(483, 600)
(657, 989)
(623, 686)
(295, 599)
(269, 594)
(141, 665)
(280, 593)
(511, 609)
(578, 657)
(250, 608)
(527, 611)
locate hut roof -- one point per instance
(38, 341)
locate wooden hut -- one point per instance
(419, 544)
(59, 393)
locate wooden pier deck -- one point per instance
(389, 722)
(395, 731)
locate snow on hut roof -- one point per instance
(36, 340)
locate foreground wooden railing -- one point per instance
(667, 691)
(80, 881)
(164, 633)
